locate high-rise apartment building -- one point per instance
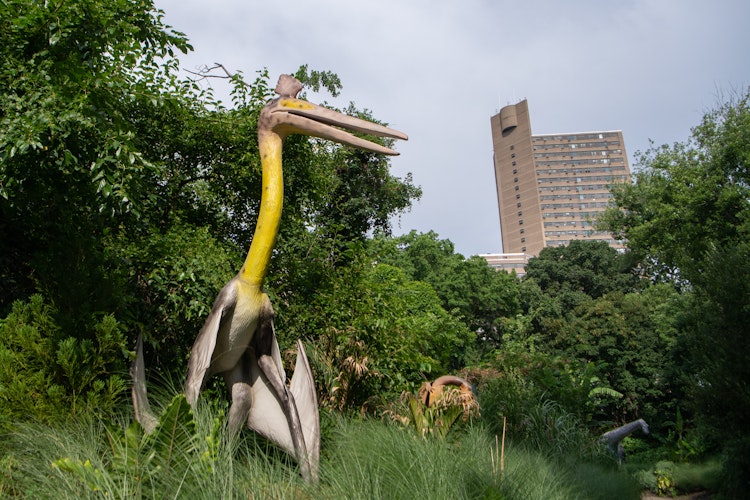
(550, 188)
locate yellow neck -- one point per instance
(258, 258)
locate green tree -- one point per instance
(586, 303)
(563, 278)
(73, 77)
(689, 213)
(590, 267)
(631, 337)
(690, 199)
(483, 298)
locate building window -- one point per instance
(513, 155)
(518, 205)
(515, 179)
(516, 188)
(518, 196)
(514, 164)
(523, 240)
(520, 213)
(515, 170)
(512, 147)
(523, 249)
(523, 230)
(520, 222)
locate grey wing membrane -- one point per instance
(203, 347)
(303, 390)
(141, 406)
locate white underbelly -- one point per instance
(238, 327)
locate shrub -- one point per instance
(46, 375)
(533, 417)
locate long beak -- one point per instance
(302, 117)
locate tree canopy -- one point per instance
(482, 297)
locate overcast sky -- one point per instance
(438, 69)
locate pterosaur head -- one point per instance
(289, 115)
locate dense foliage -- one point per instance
(48, 374)
(687, 216)
(468, 288)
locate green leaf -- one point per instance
(174, 437)
(604, 391)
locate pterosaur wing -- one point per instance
(267, 415)
(143, 412)
(203, 347)
(302, 388)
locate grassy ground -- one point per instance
(360, 459)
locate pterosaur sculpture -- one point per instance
(613, 439)
(238, 339)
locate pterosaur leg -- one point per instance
(239, 382)
(271, 376)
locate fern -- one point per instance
(173, 440)
(174, 447)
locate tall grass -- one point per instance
(372, 460)
(360, 460)
(88, 459)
